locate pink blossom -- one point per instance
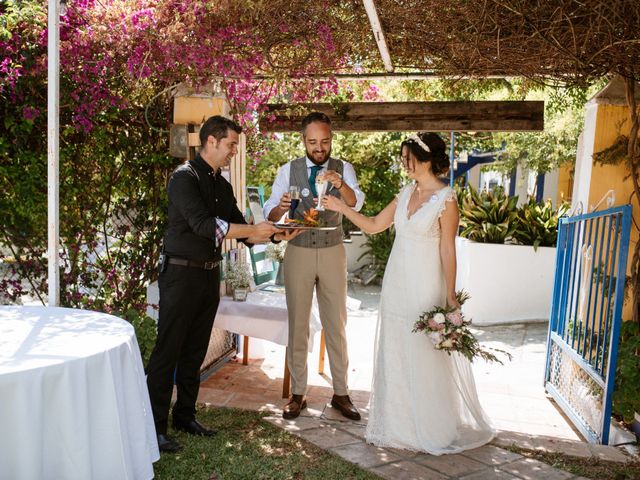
(30, 113)
(455, 318)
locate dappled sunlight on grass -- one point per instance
(248, 447)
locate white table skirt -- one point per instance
(73, 396)
(264, 315)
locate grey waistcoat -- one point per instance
(315, 238)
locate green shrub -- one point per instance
(379, 247)
(626, 396)
(487, 217)
(146, 330)
(537, 223)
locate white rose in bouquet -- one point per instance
(439, 317)
(435, 337)
(447, 344)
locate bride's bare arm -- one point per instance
(448, 231)
(377, 224)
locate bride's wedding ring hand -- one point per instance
(332, 203)
(453, 302)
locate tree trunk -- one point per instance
(633, 151)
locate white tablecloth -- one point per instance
(73, 397)
(263, 315)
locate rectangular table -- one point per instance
(264, 315)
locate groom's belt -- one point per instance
(183, 262)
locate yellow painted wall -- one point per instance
(612, 121)
(565, 183)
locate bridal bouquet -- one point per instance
(449, 330)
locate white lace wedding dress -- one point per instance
(422, 399)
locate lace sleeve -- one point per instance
(449, 196)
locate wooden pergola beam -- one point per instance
(483, 116)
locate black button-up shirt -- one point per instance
(198, 196)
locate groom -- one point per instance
(316, 259)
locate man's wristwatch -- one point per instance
(273, 239)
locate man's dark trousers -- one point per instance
(189, 299)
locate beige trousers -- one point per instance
(326, 270)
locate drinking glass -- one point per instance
(321, 188)
(294, 192)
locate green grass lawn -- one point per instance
(248, 447)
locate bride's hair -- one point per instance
(434, 153)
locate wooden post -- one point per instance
(286, 382)
(322, 351)
(245, 351)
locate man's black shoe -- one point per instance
(167, 445)
(194, 428)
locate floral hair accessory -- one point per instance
(415, 138)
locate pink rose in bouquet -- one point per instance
(435, 325)
(455, 318)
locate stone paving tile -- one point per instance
(491, 455)
(407, 470)
(530, 469)
(327, 436)
(354, 429)
(296, 425)
(407, 454)
(522, 440)
(574, 449)
(490, 474)
(366, 456)
(454, 465)
(608, 453)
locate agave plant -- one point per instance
(487, 217)
(537, 223)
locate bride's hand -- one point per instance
(453, 302)
(333, 203)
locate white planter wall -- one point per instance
(507, 283)
(354, 249)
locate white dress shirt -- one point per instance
(281, 184)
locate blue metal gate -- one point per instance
(586, 311)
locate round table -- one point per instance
(73, 397)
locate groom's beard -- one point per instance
(318, 155)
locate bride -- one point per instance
(422, 399)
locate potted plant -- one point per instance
(275, 253)
(505, 252)
(238, 277)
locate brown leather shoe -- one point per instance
(348, 409)
(293, 408)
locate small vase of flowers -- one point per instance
(238, 277)
(275, 253)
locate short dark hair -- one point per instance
(314, 117)
(217, 127)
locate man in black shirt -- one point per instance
(202, 213)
